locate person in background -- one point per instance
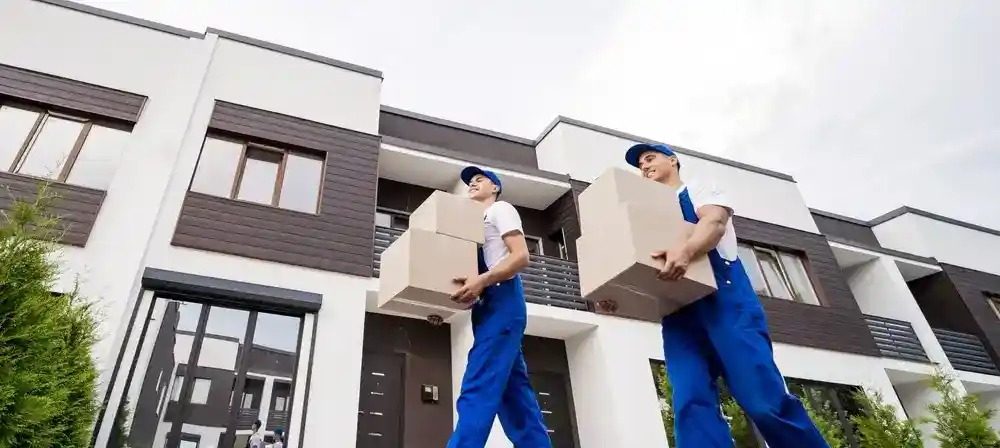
(256, 439)
(496, 377)
(724, 334)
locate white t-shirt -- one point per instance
(500, 219)
(709, 194)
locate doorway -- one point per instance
(380, 407)
(208, 375)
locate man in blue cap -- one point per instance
(496, 377)
(724, 334)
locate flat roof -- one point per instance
(87, 9)
(456, 125)
(916, 211)
(685, 151)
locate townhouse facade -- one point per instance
(225, 201)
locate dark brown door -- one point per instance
(380, 408)
(553, 398)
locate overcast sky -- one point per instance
(868, 104)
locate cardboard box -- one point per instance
(450, 214)
(419, 269)
(418, 309)
(617, 186)
(615, 264)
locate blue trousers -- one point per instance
(726, 335)
(496, 377)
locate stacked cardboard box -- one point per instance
(417, 270)
(624, 218)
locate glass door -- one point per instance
(199, 384)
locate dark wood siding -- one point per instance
(339, 238)
(477, 144)
(75, 206)
(427, 350)
(562, 214)
(52, 90)
(973, 286)
(846, 230)
(400, 196)
(838, 324)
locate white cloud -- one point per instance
(870, 105)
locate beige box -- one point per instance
(617, 186)
(418, 309)
(450, 214)
(419, 269)
(616, 266)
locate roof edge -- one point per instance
(87, 9)
(832, 215)
(916, 211)
(294, 52)
(682, 150)
(456, 125)
(884, 250)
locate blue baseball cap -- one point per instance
(472, 171)
(633, 153)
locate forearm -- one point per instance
(705, 237)
(507, 268)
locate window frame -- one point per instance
(993, 301)
(776, 253)
(393, 213)
(246, 145)
(44, 112)
(539, 241)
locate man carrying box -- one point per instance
(496, 377)
(723, 334)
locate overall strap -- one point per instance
(687, 207)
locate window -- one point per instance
(175, 391)
(994, 302)
(777, 274)
(199, 391)
(257, 173)
(279, 403)
(247, 400)
(392, 219)
(534, 245)
(65, 148)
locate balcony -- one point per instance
(966, 352)
(277, 419)
(245, 417)
(547, 280)
(896, 339)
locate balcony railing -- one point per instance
(245, 418)
(966, 352)
(896, 339)
(277, 419)
(547, 280)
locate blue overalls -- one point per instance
(496, 377)
(726, 334)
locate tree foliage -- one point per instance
(47, 375)
(958, 420)
(878, 425)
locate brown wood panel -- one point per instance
(562, 214)
(466, 141)
(427, 350)
(973, 287)
(838, 324)
(77, 207)
(850, 231)
(52, 90)
(401, 196)
(337, 238)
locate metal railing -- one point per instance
(547, 280)
(277, 419)
(896, 339)
(966, 352)
(246, 417)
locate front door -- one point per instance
(200, 384)
(380, 408)
(553, 398)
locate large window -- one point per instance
(777, 274)
(65, 148)
(261, 174)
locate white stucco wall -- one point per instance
(164, 67)
(880, 290)
(585, 154)
(917, 398)
(948, 243)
